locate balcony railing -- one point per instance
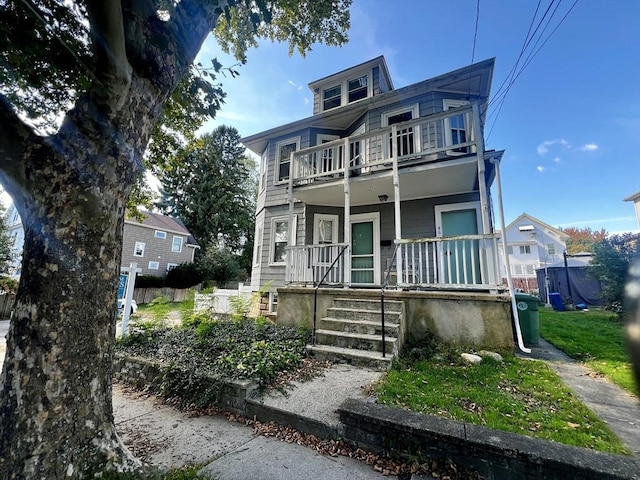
(449, 133)
(461, 262)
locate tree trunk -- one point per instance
(56, 397)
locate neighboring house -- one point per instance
(157, 244)
(532, 244)
(635, 198)
(378, 186)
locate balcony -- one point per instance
(435, 155)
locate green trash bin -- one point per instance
(529, 315)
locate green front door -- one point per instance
(462, 257)
(362, 253)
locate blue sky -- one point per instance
(570, 123)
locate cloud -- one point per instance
(589, 147)
(543, 148)
(557, 159)
(540, 168)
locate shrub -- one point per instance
(8, 284)
(184, 275)
(149, 281)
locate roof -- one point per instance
(375, 62)
(533, 219)
(163, 222)
(633, 198)
(475, 79)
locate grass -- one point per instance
(184, 473)
(520, 396)
(595, 338)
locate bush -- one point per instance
(184, 275)
(8, 284)
(149, 281)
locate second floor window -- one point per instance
(160, 234)
(283, 158)
(138, 249)
(154, 265)
(332, 97)
(525, 249)
(551, 248)
(176, 246)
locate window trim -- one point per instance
(257, 254)
(415, 113)
(272, 237)
(264, 158)
(317, 217)
(155, 262)
(286, 141)
(523, 249)
(161, 234)
(135, 249)
(344, 90)
(339, 96)
(173, 244)
(448, 103)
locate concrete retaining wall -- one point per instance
(478, 319)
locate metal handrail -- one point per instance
(384, 286)
(315, 294)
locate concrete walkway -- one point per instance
(619, 409)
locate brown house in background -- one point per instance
(157, 244)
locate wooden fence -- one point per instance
(145, 295)
(6, 305)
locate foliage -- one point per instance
(206, 348)
(184, 275)
(517, 395)
(595, 338)
(8, 284)
(610, 264)
(219, 264)
(149, 281)
(6, 244)
(211, 187)
(184, 473)
(583, 239)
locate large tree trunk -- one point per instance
(56, 397)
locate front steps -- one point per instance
(352, 332)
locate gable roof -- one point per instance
(533, 219)
(158, 221)
(633, 198)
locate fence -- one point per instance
(220, 300)
(6, 305)
(145, 295)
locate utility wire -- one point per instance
(475, 37)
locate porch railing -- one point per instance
(465, 261)
(450, 132)
(310, 264)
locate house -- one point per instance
(532, 244)
(383, 186)
(156, 244)
(635, 198)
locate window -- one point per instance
(517, 269)
(263, 169)
(528, 269)
(258, 247)
(154, 265)
(509, 250)
(160, 234)
(332, 97)
(284, 150)
(406, 137)
(358, 88)
(280, 239)
(455, 128)
(551, 248)
(525, 249)
(171, 266)
(176, 246)
(138, 249)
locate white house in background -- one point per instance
(16, 233)
(532, 244)
(635, 198)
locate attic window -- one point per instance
(332, 97)
(358, 88)
(526, 228)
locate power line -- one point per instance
(475, 37)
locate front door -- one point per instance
(460, 259)
(365, 249)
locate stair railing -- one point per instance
(316, 286)
(385, 283)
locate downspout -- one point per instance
(505, 257)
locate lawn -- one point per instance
(516, 395)
(595, 338)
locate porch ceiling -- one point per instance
(420, 181)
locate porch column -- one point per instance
(482, 184)
(396, 199)
(290, 199)
(347, 211)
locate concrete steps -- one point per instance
(352, 332)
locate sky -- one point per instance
(569, 123)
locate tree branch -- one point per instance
(15, 136)
(112, 69)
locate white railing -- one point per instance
(308, 264)
(465, 261)
(451, 133)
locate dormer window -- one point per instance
(358, 88)
(332, 97)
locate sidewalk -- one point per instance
(612, 404)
